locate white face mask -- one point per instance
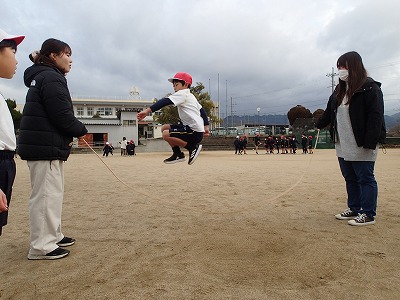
(344, 74)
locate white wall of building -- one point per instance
(101, 117)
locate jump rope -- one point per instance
(210, 212)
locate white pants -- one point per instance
(45, 205)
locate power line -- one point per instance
(389, 64)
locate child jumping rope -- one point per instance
(194, 121)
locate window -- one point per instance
(108, 111)
(129, 123)
(105, 111)
(79, 111)
(90, 111)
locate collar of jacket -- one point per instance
(368, 85)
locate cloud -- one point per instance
(268, 55)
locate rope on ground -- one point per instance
(112, 172)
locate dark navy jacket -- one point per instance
(366, 111)
(48, 124)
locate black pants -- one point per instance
(7, 176)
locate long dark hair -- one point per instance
(352, 61)
(49, 46)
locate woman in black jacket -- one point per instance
(355, 115)
(48, 126)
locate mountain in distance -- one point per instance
(255, 120)
(391, 121)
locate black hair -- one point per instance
(8, 43)
(181, 81)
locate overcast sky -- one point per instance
(268, 54)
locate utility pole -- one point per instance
(209, 87)
(231, 113)
(219, 106)
(226, 104)
(332, 75)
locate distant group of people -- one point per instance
(280, 144)
(307, 144)
(108, 149)
(127, 147)
(240, 144)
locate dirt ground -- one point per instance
(226, 227)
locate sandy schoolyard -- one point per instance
(227, 227)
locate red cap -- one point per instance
(182, 76)
(5, 36)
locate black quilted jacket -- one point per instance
(48, 124)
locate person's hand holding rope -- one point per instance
(3, 202)
(81, 137)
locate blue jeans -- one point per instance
(361, 186)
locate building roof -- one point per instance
(111, 102)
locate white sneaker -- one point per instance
(362, 220)
(348, 214)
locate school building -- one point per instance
(108, 120)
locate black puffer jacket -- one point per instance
(48, 124)
(366, 115)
